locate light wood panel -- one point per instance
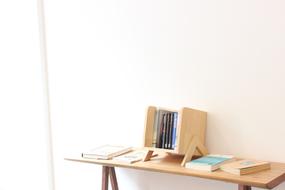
(171, 164)
(194, 145)
(149, 126)
(192, 123)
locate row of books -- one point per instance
(228, 164)
(165, 129)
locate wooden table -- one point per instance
(267, 179)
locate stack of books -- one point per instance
(243, 167)
(210, 162)
(106, 152)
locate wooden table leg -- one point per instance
(113, 178)
(244, 187)
(105, 177)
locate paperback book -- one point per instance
(243, 167)
(210, 162)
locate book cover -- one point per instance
(245, 166)
(106, 152)
(209, 163)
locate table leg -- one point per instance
(105, 177)
(113, 178)
(244, 187)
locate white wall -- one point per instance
(110, 59)
(23, 160)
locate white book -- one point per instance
(131, 157)
(106, 152)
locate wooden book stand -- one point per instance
(191, 130)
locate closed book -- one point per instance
(106, 152)
(163, 135)
(243, 167)
(174, 136)
(170, 130)
(166, 143)
(160, 132)
(131, 157)
(160, 127)
(210, 162)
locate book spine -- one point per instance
(167, 131)
(156, 129)
(170, 126)
(174, 137)
(170, 130)
(163, 131)
(159, 128)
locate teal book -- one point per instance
(210, 162)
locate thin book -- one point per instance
(106, 152)
(210, 162)
(245, 166)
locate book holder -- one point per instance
(190, 133)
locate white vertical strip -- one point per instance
(44, 63)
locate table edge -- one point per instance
(275, 182)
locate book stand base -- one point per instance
(194, 144)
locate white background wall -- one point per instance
(23, 160)
(110, 59)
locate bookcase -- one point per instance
(189, 136)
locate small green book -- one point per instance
(210, 162)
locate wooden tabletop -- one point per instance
(171, 164)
